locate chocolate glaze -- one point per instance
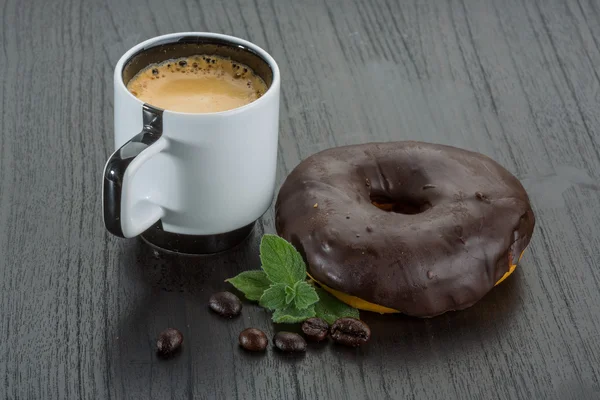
(456, 221)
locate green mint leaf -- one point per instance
(274, 297)
(290, 294)
(291, 315)
(251, 283)
(331, 309)
(281, 261)
(306, 295)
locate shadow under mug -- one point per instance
(191, 183)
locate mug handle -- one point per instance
(120, 218)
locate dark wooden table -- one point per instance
(517, 80)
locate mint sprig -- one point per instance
(281, 286)
(331, 309)
(274, 297)
(281, 261)
(306, 295)
(252, 283)
(291, 315)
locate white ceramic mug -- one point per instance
(192, 183)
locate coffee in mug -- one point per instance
(195, 156)
(197, 84)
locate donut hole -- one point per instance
(404, 205)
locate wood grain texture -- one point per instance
(518, 80)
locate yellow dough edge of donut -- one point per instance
(354, 301)
(510, 270)
(361, 304)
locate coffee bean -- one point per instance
(154, 71)
(315, 329)
(169, 341)
(253, 339)
(289, 342)
(225, 304)
(182, 63)
(350, 332)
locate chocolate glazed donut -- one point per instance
(409, 227)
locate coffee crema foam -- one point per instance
(197, 84)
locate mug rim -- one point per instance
(164, 39)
